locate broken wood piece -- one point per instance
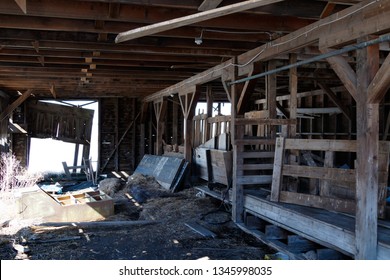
(187, 20)
(201, 230)
(103, 224)
(68, 238)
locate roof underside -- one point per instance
(66, 49)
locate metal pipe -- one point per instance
(384, 38)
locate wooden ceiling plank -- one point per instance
(22, 5)
(295, 40)
(187, 20)
(209, 5)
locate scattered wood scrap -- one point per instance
(201, 230)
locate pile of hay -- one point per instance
(110, 186)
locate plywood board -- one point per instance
(165, 170)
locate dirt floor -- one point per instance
(139, 199)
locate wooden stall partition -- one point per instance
(331, 179)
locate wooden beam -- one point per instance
(188, 100)
(160, 108)
(191, 19)
(345, 73)
(15, 104)
(53, 91)
(335, 100)
(295, 40)
(367, 130)
(248, 88)
(22, 5)
(381, 83)
(209, 5)
(293, 86)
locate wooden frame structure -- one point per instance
(367, 86)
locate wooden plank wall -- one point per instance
(115, 116)
(336, 178)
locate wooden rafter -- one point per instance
(335, 100)
(357, 17)
(15, 104)
(22, 5)
(209, 5)
(191, 19)
(345, 73)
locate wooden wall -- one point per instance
(119, 127)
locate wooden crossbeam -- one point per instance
(191, 19)
(209, 5)
(22, 5)
(15, 104)
(345, 73)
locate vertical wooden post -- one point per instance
(293, 96)
(116, 157)
(209, 100)
(236, 131)
(367, 122)
(175, 121)
(144, 110)
(292, 129)
(271, 98)
(188, 99)
(160, 107)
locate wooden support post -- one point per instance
(277, 170)
(175, 121)
(292, 129)
(209, 99)
(271, 98)
(76, 156)
(325, 184)
(144, 111)
(367, 122)
(188, 99)
(237, 132)
(160, 107)
(293, 96)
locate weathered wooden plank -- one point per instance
(332, 204)
(314, 229)
(256, 155)
(257, 166)
(254, 179)
(260, 121)
(345, 175)
(209, 4)
(326, 184)
(191, 19)
(277, 174)
(201, 230)
(255, 141)
(321, 145)
(367, 130)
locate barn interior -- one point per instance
(302, 156)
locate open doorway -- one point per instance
(47, 154)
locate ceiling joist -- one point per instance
(187, 20)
